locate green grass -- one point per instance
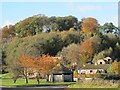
(6, 75)
(32, 82)
(7, 81)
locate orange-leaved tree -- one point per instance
(25, 62)
(45, 63)
(89, 25)
(42, 64)
(87, 50)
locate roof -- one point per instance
(89, 62)
(60, 69)
(100, 66)
(100, 60)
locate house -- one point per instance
(60, 73)
(106, 60)
(100, 61)
(88, 71)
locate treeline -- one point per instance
(41, 23)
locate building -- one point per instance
(106, 60)
(60, 74)
(88, 71)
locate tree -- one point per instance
(45, 63)
(89, 25)
(97, 43)
(108, 28)
(71, 37)
(42, 65)
(31, 25)
(70, 55)
(8, 31)
(87, 49)
(116, 67)
(65, 23)
(25, 62)
(53, 27)
(116, 52)
(2, 59)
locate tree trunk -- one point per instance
(26, 79)
(47, 78)
(15, 78)
(38, 80)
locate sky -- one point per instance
(13, 12)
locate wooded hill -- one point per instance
(66, 37)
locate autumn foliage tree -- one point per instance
(87, 50)
(25, 62)
(42, 64)
(45, 63)
(89, 25)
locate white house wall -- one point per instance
(87, 71)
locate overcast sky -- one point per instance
(13, 12)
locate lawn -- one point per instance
(7, 81)
(32, 82)
(5, 76)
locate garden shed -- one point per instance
(60, 73)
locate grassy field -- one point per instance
(95, 84)
(32, 82)
(7, 81)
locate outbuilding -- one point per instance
(60, 73)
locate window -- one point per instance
(100, 62)
(108, 59)
(91, 71)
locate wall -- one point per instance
(68, 78)
(88, 71)
(57, 78)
